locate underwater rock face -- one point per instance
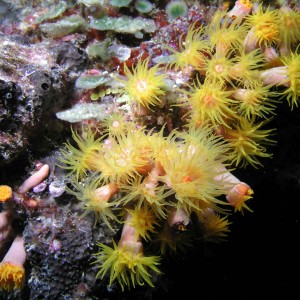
(59, 243)
(33, 87)
(63, 252)
(73, 60)
(10, 97)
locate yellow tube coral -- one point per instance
(11, 276)
(144, 85)
(126, 261)
(12, 272)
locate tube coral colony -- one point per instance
(224, 79)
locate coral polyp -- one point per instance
(210, 102)
(144, 85)
(192, 49)
(192, 177)
(225, 33)
(12, 276)
(248, 142)
(5, 193)
(82, 157)
(290, 22)
(126, 264)
(292, 93)
(126, 156)
(264, 25)
(96, 198)
(126, 260)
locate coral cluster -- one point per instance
(159, 178)
(154, 180)
(172, 103)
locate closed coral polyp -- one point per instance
(5, 193)
(240, 9)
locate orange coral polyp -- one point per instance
(247, 142)
(215, 227)
(5, 193)
(11, 276)
(126, 264)
(106, 192)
